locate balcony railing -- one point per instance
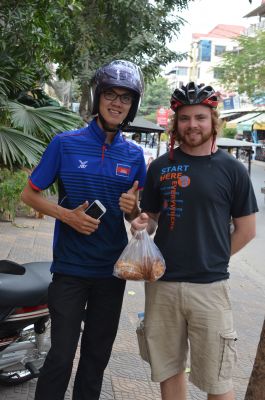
(252, 29)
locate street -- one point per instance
(253, 255)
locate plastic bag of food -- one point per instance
(141, 260)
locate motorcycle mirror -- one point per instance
(11, 267)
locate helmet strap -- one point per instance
(106, 127)
(213, 143)
(171, 147)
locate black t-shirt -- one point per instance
(196, 197)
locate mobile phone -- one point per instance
(95, 209)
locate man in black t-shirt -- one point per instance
(202, 203)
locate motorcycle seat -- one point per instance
(29, 289)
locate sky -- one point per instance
(204, 15)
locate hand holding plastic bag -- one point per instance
(141, 260)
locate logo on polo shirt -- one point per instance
(123, 170)
(83, 164)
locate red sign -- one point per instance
(162, 115)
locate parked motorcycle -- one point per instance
(24, 320)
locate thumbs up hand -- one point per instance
(134, 188)
(128, 202)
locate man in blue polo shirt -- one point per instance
(93, 163)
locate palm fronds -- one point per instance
(42, 122)
(19, 148)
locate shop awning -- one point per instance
(228, 143)
(243, 119)
(259, 11)
(259, 124)
(256, 122)
(228, 114)
(143, 125)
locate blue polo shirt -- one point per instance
(86, 168)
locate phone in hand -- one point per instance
(95, 209)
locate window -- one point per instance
(205, 48)
(218, 73)
(182, 71)
(219, 50)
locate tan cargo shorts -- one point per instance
(183, 318)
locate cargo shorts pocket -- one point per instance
(228, 354)
(143, 350)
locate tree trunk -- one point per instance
(256, 384)
(85, 102)
(62, 90)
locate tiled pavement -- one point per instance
(127, 377)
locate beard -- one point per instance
(194, 138)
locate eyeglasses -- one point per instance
(125, 98)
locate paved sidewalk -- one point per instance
(127, 377)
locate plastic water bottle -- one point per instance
(140, 318)
(140, 331)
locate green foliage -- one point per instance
(12, 79)
(135, 30)
(18, 148)
(24, 131)
(11, 186)
(244, 70)
(37, 98)
(164, 137)
(124, 29)
(157, 94)
(28, 42)
(42, 122)
(77, 36)
(35, 33)
(151, 117)
(229, 133)
(80, 35)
